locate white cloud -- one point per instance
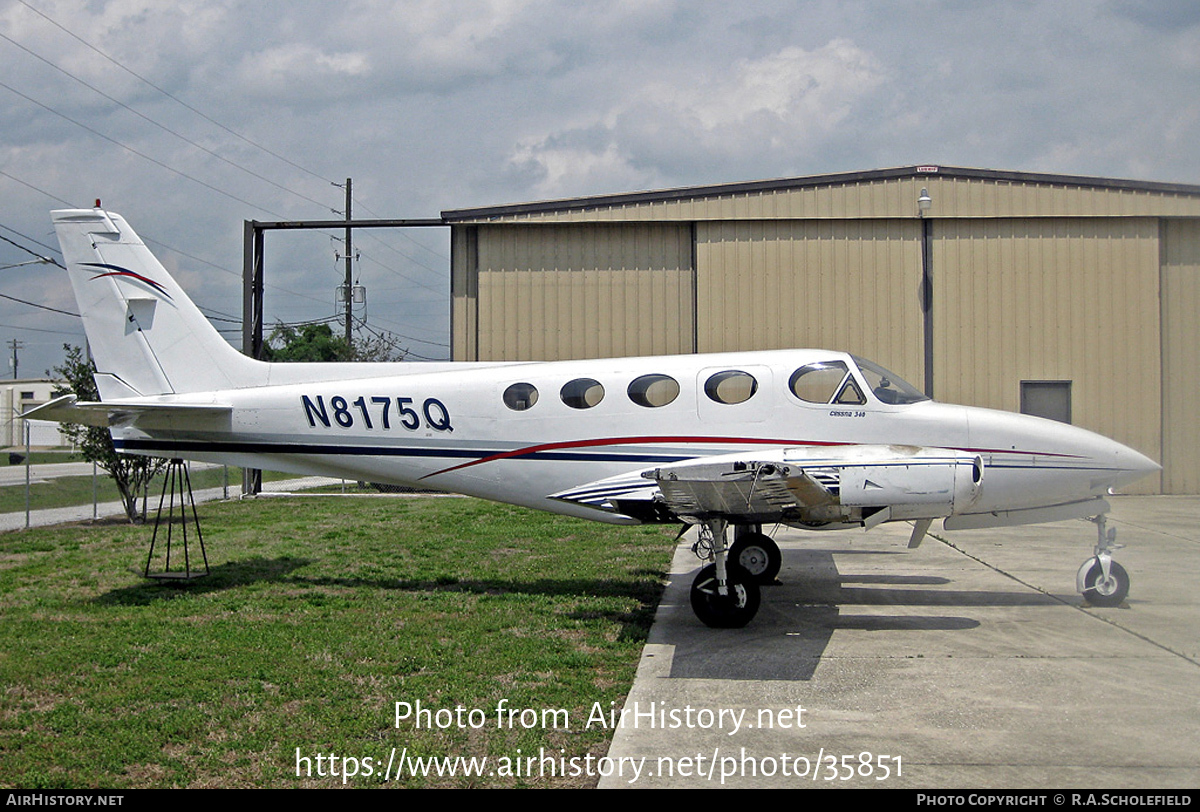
(299, 68)
(561, 168)
(784, 104)
(809, 90)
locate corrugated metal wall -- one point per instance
(1033, 281)
(1181, 356)
(595, 291)
(849, 285)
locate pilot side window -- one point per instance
(655, 390)
(731, 386)
(826, 382)
(887, 386)
(582, 393)
(520, 396)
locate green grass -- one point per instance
(320, 614)
(79, 490)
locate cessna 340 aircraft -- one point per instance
(805, 438)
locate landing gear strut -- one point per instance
(724, 595)
(1103, 581)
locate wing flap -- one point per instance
(743, 488)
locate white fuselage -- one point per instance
(450, 429)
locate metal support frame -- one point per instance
(252, 283)
(178, 482)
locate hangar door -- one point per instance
(1072, 302)
(563, 291)
(849, 285)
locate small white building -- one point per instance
(21, 395)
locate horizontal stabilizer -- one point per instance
(69, 409)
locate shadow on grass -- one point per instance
(634, 624)
(221, 577)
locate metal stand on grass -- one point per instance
(178, 482)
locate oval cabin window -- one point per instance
(731, 386)
(818, 383)
(653, 391)
(520, 396)
(582, 393)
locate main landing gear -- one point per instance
(1103, 581)
(725, 594)
(756, 553)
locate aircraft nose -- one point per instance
(1131, 465)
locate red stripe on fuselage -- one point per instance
(740, 441)
(610, 441)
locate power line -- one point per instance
(36, 189)
(36, 256)
(128, 148)
(170, 96)
(161, 126)
(222, 318)
(43, 330)
(39, 306)
(191, 142)
(405, 236)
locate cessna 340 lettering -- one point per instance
(805, 438)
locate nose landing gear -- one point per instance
(1102, 581)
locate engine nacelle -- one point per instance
(941, 482)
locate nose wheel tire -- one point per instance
(758, 555)
(729, 611)
(1110, 591)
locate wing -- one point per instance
(804, 485)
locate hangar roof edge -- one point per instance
(833, 179)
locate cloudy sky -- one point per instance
(191, 117)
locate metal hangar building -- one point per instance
(1075, 298)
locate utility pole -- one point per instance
(15, 345)
(347, 291)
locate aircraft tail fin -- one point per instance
(146, 335)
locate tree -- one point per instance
(131, 473)
(316, 342)
(306, 342)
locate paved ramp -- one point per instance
(968, 664)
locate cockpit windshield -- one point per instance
(887, 386)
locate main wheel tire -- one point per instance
(1101, 591)
(757, 554)
(731, 611)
